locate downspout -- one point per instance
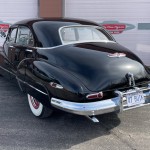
(38, 13)
(63, 8)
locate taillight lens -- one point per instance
(95, 96)
(55, 85)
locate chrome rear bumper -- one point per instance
(118, 103)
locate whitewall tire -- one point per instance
(37, 108)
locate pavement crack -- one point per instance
(120, 138)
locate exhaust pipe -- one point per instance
(93, 119)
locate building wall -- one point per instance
(16, 10)
(130, 19)
(50, 8)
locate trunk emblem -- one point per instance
(130, 78)
(116, 55)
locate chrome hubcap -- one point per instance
(34, 102)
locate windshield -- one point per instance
(75, 34)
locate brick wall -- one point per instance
(50, 8)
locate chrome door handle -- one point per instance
(11, 46)
(28, 50)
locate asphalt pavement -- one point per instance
(20, 130)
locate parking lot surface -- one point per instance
(20, 130)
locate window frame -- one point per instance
(30, 32)
(9, 34)
(109, 36)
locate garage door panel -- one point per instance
(16, 10)
(124, 12)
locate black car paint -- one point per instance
(80, 68)
(104, 73)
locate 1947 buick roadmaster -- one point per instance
(75, 66)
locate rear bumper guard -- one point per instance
(118, 103)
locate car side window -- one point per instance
(25, 37)
(12, 36)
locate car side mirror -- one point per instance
(2, 34)
(1, 49)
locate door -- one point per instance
(23, 45)
(8, 49)
(16, 48)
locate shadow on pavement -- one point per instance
(60, 131)
(69, 130)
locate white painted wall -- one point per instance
(12, 11)
(124, 11)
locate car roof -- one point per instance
(43, 27)
(63, 21)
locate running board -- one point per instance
(93, 119)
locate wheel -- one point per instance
(38, 109)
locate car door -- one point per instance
(8, 44)
(22, 50)
(5, 55)
(23, 46)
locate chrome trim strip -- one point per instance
(104, 41)
(37, 89)
(31, 86)
(71, 44)
(7, 71)
(19, 85)
(23, 81)
(49, 47)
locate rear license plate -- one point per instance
(135, 99)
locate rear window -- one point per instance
(74, 34)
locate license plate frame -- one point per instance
(135, 98)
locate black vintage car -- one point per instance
(75, 66)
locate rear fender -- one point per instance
(37, 76)
(32, 84)
(51, 73)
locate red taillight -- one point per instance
(95, 96)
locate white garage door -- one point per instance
(12, 11)
(128, 21)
